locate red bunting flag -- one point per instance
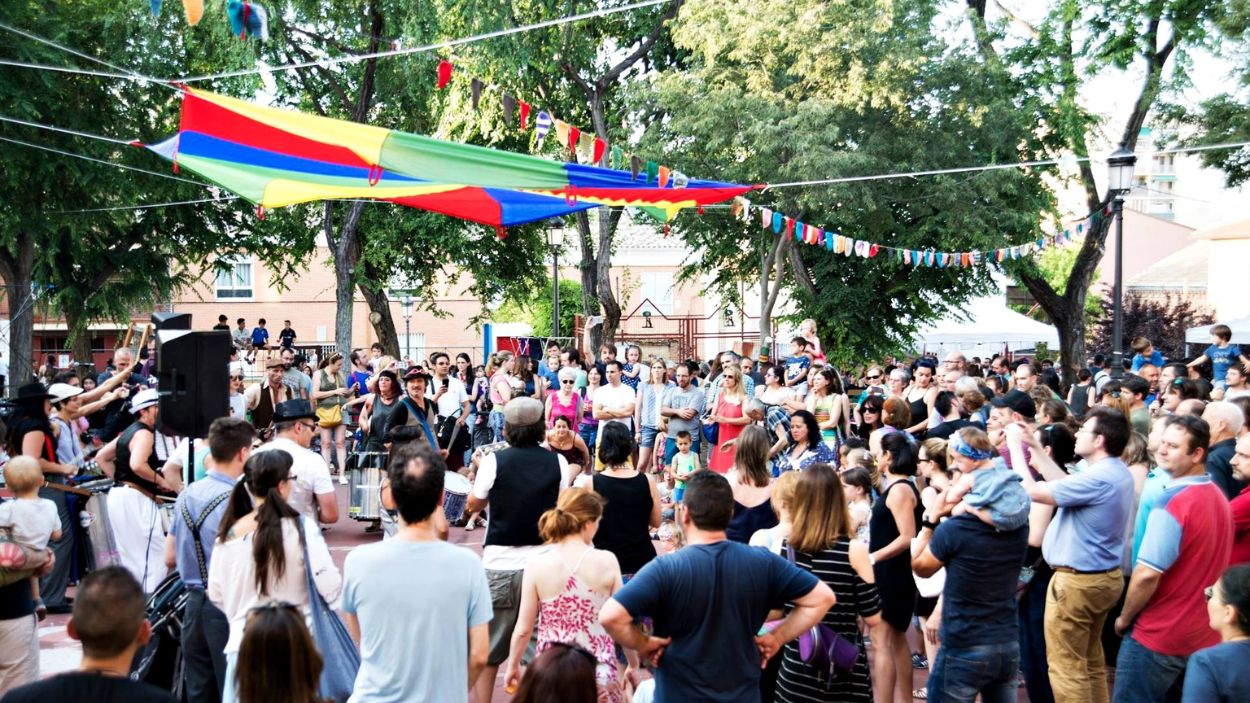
(525, 114)
(444, 74)
(574, 135)
(601, 147)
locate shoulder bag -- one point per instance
(342, 659)
(825, 652)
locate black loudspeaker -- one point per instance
(171, 320)
(193, 378)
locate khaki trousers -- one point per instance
(19, 652)
(1076, 609)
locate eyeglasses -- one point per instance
(874, 378)
(236, 378)
(1209, 592)
(310, 426)
(566, 381)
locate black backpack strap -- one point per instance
(194, 524)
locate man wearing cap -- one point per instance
(519, 483)
(415, 410)
(452, 401)
(312, 491)
(264, 397)
(1013, 407)
(132, 503)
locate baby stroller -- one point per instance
(160, 661)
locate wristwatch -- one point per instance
(924, 522)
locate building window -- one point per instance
(234, 279)
(657, 286)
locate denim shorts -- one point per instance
(648, 436)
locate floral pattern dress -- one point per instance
(572, 617)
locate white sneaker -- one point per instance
(343, 479)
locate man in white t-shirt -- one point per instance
(452, 399)
(312, 491)
(615, 401)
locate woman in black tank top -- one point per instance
(632, 506)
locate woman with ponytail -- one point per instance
(259, 555)
(564, 589)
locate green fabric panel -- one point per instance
(465, 164)
(245, 182)
(658, 213)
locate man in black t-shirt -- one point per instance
(980, 650)
(110, 622)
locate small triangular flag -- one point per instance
(475, 91)
(525, 114)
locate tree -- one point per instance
(893, 97)
(59, 237)
(533, 306)
(1164, 322)
(1047, 67)
(580, 72)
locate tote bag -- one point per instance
(342, 659)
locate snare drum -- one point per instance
(456, 490)
(94, 517)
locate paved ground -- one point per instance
(60, 653)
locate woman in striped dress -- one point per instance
(822, 543)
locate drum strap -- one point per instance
(194, 524)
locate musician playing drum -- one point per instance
(132, 503)
(452, 400)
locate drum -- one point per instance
(456, 490)
(165, 508)
(365, 493)
(94, 518)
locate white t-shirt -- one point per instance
(238, 406)
(616, 398)
(32, 520)
(497, 557)
(452, 400)
(312, 477)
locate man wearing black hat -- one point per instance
(415, 410)
(520, 483)
(264, 397)
(132, 503)
(312, 491)
(1013, 407)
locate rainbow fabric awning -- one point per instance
(276, 158)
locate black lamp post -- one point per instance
(555, 240)
(1119, 181)
(405, 304)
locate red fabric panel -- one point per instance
(472, 204)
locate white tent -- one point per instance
(984, 326)
(1202, 335)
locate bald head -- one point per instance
(956, 361)
(1225, 420)
(1191, 406)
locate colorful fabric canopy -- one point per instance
(277, 157)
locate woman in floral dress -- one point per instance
(564, 589)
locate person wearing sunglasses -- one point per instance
(1220, 673)
(312, 490)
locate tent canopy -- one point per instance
(986, 321)
(1202, 335)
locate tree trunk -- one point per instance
(346, 249)
(774, 261)
(590, 284)
(17, 269)
(79, 335)
(380, 303)
(607, 228)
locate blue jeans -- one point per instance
(670, 447)
(989, 669)
(1144, 676)
(1032, 621)
(588, 433)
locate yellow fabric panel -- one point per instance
(282, 192)
(363, 139)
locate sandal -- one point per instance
(920, 694)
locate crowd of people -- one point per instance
(655, 529)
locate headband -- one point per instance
(959, 446)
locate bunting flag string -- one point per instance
(584, 143)
(837, 243)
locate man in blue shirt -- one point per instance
(1084, 544)
(708, 601)
(189, 548)
(419, 607)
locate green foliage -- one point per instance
(533, 306)
(792, 91)
(1055, 265)
(97, 263)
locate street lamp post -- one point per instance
(406, 305)
(555, 240)
(1120, 181)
